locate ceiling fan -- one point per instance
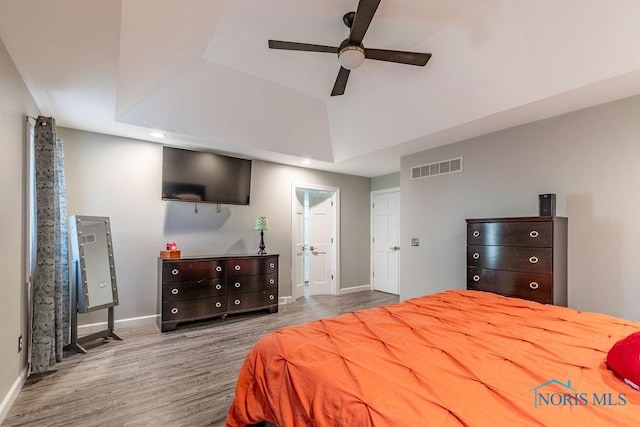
(351, 52)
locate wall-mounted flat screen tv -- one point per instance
(198, 176)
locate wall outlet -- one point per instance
(19, 343)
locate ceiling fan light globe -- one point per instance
(351, 57)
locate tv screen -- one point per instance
(196, 176)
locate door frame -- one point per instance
(335, 230)
(372, 232)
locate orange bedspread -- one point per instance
(454, 358)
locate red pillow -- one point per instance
(624, 359)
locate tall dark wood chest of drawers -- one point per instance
(522, 257)
(198, 288)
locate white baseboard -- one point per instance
(285, 300)
(361, 288)
(12, 395)
(122, 323)
(353, 289)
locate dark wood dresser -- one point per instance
(198, 288)
(522, 257)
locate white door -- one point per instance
(386, 241)
(298, 245)
(320, 243)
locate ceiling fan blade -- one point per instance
(278, 44)
(341, 82)
(364, 15)
(411, 58)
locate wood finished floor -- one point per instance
(181, 378)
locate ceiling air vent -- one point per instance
(437, 168)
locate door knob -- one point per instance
(394, 248)
(311, 248)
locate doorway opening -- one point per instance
(315, 225)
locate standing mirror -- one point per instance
(93, 251)
(93, 273)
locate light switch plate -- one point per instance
(415, 241)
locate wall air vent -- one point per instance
(437, 168)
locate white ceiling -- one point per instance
(201, 71)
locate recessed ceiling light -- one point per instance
(306, 162)
(157, 134)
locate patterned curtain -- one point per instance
(51, 277)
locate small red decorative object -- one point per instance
(624, 359)
(171, 246)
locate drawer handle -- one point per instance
(476, 255)
(533, 259)
(237, 267)
(237, 302)
(218, 268)
(476, 278)
(271, 265)
(218, 286)
(174, 310)
(271, 297)
(175, 272)
(272, 281)
(237, 285)
(534, 234)
(533, 285)
(476, 233)
(174, 291)
(218, 304)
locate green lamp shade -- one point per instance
(262, 223)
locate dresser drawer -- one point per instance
(252, 300)
(531, 260)
(535, 287)
(242, 284)
(533, 234)
(175, 271)
(176, 291)
(193, 309)
(252, 266)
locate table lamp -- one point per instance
(262, 225)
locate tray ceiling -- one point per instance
(201, 72)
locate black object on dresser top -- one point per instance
(524, 257)
(197, 288)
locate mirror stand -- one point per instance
(75, 343)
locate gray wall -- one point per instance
(15, 103)
(384, 182)
(121, 178)
(588, 158)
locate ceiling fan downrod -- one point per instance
(348, 18)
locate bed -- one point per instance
(456, 358)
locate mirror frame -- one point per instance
(80, 277)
